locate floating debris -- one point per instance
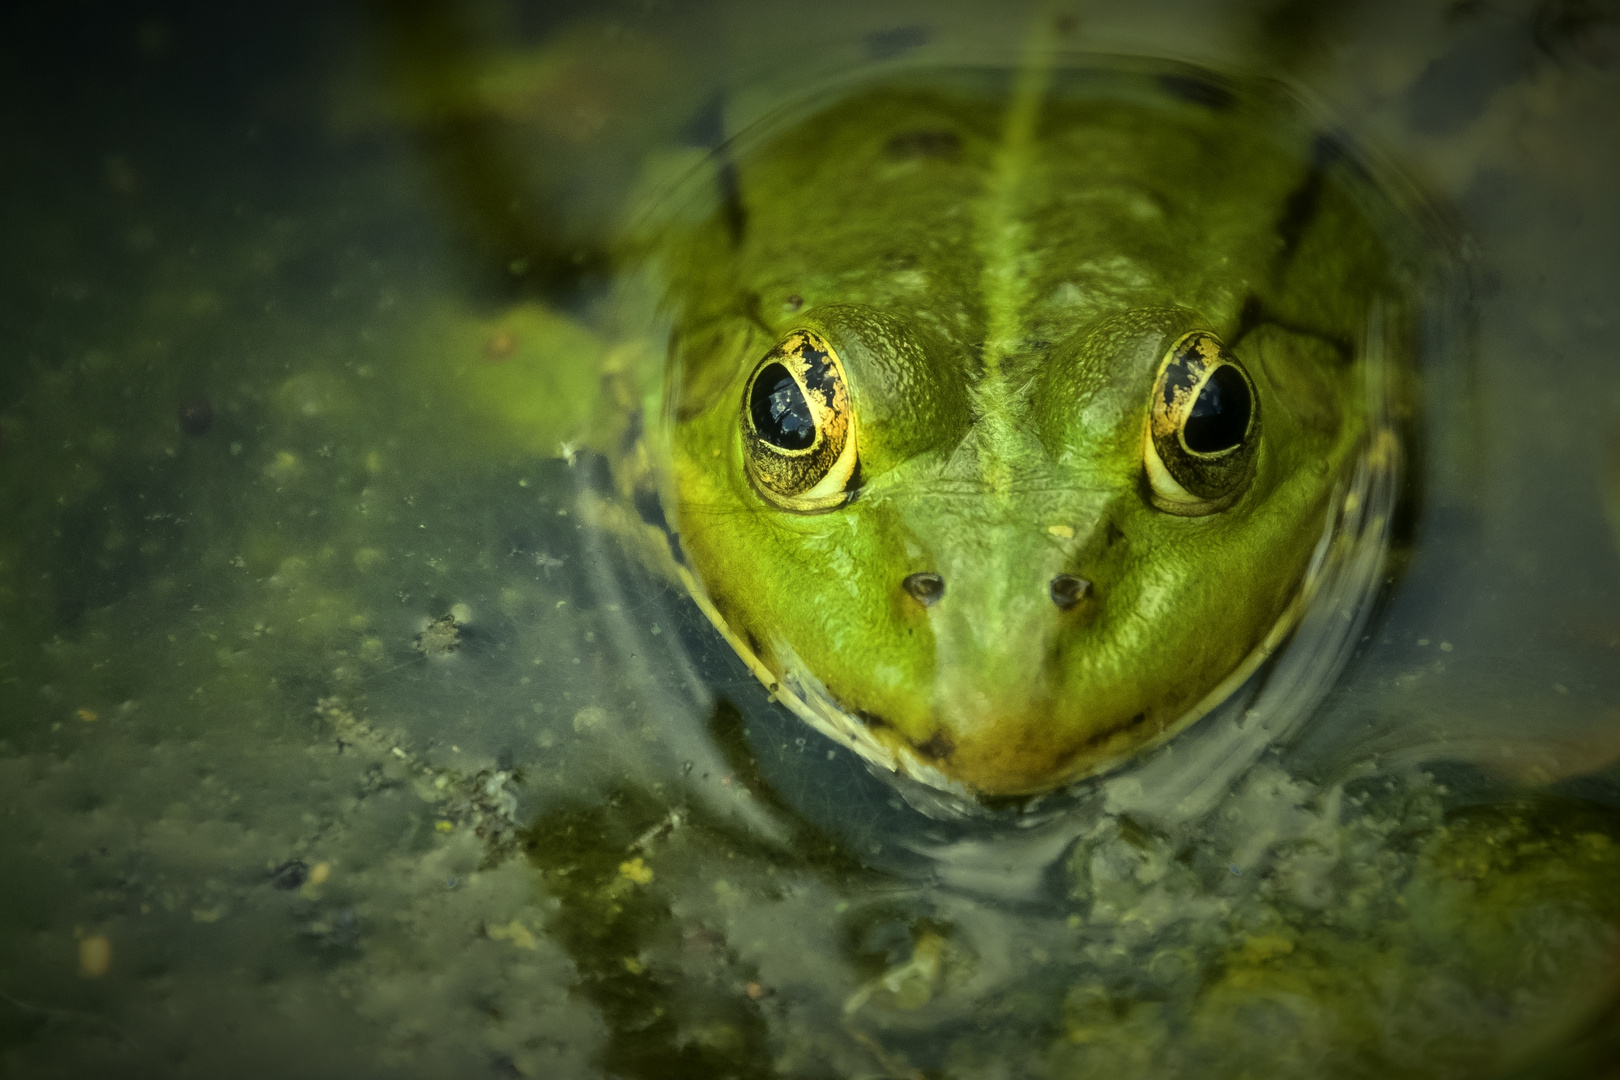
(290, 874)
(441, 637)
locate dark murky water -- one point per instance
(336, 736)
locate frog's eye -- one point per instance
(1203, 428)
(798, 426)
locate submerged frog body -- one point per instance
(1004, 425)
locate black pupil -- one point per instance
(1220, 417)
(781, 415)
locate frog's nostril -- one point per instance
(1068, 590)
(926, 588)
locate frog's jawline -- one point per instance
(808, 699)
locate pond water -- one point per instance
(346, 726)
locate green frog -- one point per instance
(1005, 419)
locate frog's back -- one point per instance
(915, 196)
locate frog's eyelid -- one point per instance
(719, 510)
(1164, 485)
(837, 481)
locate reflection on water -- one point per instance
(339, 730)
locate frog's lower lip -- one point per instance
(1002, 753)
(1007, 752)
(998, 762)
(1018, 753)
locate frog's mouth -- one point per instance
(938, 764)
(930, 762)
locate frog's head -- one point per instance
(1001, 500)
(1012, 589)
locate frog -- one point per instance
(1005, 419)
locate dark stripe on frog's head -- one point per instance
(1203, 90)
(731, 204)
(650, 508)
(708, 129)
(1305, 201)
(1255, 314)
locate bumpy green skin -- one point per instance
(1001, 300)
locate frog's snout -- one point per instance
(1003, 715)
(927, 587)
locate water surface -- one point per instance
(334, 738)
